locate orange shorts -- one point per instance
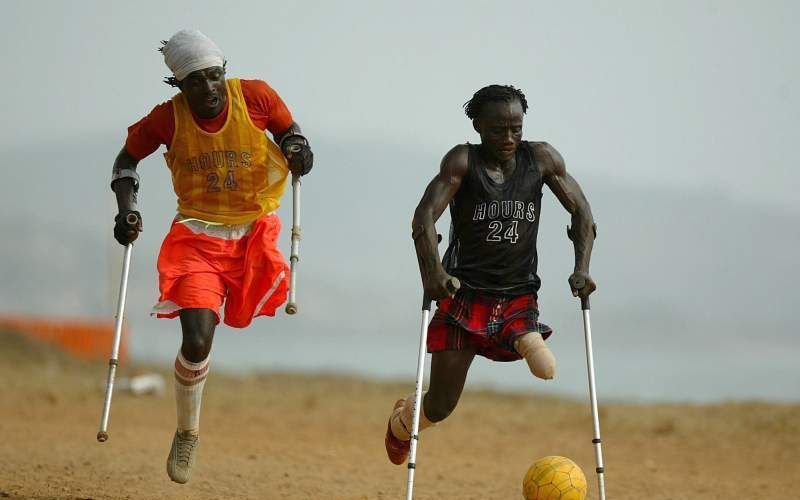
(202, 265)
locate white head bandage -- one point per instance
(190, 50)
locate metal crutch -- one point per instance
(598, 450)
(453, 285)
(102, 434)
(291, 305)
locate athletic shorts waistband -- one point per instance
(217, 229)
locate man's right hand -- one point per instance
(436, 286)
(125, 229)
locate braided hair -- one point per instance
(171, 80)
(493, 93)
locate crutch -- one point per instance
(102, 434)
(453, 285)
(579, 283)
(291, 305)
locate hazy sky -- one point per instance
(694, 92)
(679, 119)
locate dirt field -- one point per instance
(292, 437)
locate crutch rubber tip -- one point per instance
(102, 436)
(291, 308)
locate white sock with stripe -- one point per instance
(190, 378)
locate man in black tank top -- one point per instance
(494, 191)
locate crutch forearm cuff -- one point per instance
(293, 136)
(125, 173)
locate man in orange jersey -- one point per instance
(229, 178)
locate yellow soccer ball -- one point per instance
(554, 478)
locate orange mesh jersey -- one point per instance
(231, 176)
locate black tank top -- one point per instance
(494, 226)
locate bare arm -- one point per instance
(125, 190)
(437, 196)
(582, 230)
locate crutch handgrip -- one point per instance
(577, 283)
(453, 284)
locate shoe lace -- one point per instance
(186, 446)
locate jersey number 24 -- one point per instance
(496, 228)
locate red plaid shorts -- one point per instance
(487, 323)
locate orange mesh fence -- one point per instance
(84, 339)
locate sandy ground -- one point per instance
(294, 437)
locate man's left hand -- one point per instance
(298, 154)
(581, 284)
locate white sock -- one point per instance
(190, 378)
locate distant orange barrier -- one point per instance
(84, 339)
